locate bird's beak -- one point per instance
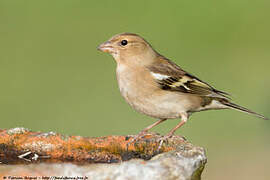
(105, 47)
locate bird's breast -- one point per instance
(134, 83)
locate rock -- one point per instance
(104, 158)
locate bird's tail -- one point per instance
(242, 109)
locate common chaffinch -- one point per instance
(155, 86)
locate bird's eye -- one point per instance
(124, 42)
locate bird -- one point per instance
(157, 87)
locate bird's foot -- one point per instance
(163, 139)
(137, 137)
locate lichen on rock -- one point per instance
(25, 152)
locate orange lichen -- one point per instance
(20, 145)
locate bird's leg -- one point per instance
(144, 131)
(184, 118)
(151, 126)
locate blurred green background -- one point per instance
(53, 78)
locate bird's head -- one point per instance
(127, 47)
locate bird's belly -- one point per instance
(156, 109)
(166, 105)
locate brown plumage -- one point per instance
(155, 86)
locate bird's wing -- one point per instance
(171, 77)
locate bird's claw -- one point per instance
(162, 140)
(136, 138)
(165, 139)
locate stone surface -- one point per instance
(26, 153)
